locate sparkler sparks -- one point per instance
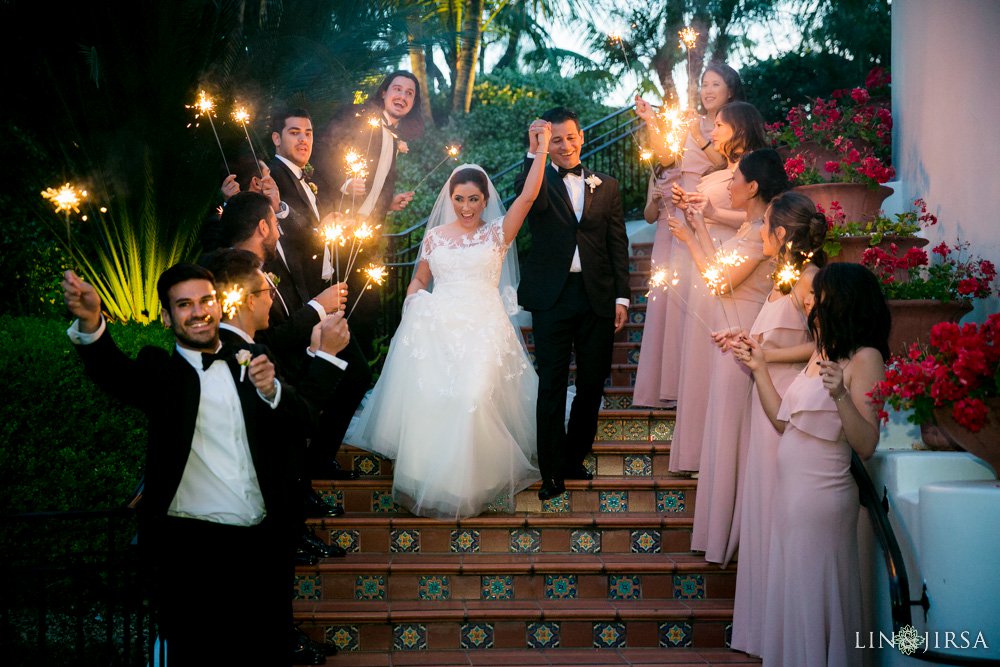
(664, 279)
(232, 301)
(67, 198)
(374, 122)
(205, 106)
(376, 273)
(689, 37)
(451, 153)
(242, 116)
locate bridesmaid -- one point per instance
(813, 601)
(660, 355)
(739, 129)
(759, 178)
(793, 234)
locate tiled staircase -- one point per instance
(601, 575)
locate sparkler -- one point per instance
(689, 39)
(333, 233)
(232, 301)
(374, 123)
(718, 276)
(663, 279)
(242, 116)
(205, 106)
(787, 274)
(375, 274)
(451, 151)
(356, 167)
(65, 199)
(361, 235)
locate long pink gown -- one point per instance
(780, 324)
(659, 369)
(729, 387)
(704, 315)
(813, 606)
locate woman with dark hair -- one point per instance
(455, 403)
(813, 602)
(717, 219)
(660, 354)
(722, 387)
(793, 234)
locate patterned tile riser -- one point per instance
(555, 634)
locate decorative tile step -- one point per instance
(592, 657)
(638, 295)
(401, 577)
(571, 535)
(605, 495)
(489, 624)
(610, 459)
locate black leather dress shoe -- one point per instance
(551, 488)
(323, 648)
(317, 508)
(305, 556)
(304, 653)
(332, 470)
(312, 543)
(578, 472)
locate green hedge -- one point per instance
(64, 444)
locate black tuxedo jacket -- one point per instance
(166, 388)
(350, 129)
(555, 233)
(301, 239)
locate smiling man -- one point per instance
(575, 284)
(219, 475)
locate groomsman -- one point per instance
(394, 109)
(219, 478)
(575, 284)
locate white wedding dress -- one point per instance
(455, 404)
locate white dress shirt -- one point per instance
(326, 356)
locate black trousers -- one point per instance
(569, 327)
(336, 415)
(222, 593)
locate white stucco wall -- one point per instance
(946, 117)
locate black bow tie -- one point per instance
(208, 358)
(577, 171)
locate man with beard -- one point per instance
(219, 478)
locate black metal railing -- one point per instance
(71, 590)
(611, 147)
(899, 582)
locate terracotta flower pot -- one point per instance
(859, 202)
(912, 320)
(986, 443)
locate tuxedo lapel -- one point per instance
(588, 196)
(556, 181)
(287, 180)
(187, 392)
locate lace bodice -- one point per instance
(476, 257)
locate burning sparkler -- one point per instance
(242, 116)
(205, 106)
(65, 199)
(375, 274)
(232, 301)
(665, 280)
(689, 37)
(361, 235)
(451, 153)
(688, 40)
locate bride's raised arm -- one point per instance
(539, 134)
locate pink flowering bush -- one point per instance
(959, 369)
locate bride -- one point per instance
(455, 404)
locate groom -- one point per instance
(575, 284)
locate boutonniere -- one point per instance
(402, 147)
(243, 358)
(273, 278)
(312, 186)
(308, 170)
(593, 181)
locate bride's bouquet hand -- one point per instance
(413, 297)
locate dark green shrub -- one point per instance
(63, 443)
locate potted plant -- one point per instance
(847, 241)
(935, 290)
(953, 383)
(839, 149)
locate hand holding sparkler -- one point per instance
(262, 376)
(749, 353)
(401, 201)
(82, 301)
(680, 229)
(333, 298)
(331, 335)
(229, 187)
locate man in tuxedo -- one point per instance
(248, 223)
(304, 250)
(575, 284)
(219, 477)
(378, 131)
